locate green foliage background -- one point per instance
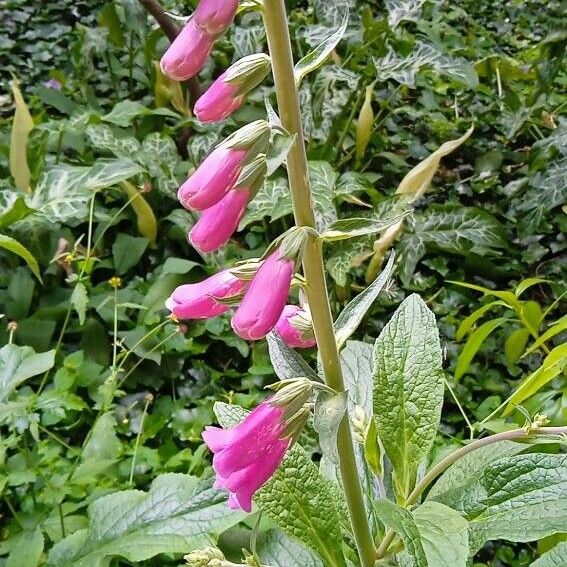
(75, 431)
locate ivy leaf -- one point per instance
(178, 514)
(79, 301)
(399, 10)
(351, 316)
(103, 139)
(555, 557)
(297, 498)
(351, 227)
(519, 498)
(408, 389)
(316, 58)
(12, 208)
(18, 363)
(12, 245)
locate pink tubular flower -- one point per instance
(265, 299)
(247, 455)
(198, 300)
(217, 223)
(188, 53)
(219, 101)
(215, 16)
(228, 92)
(291, 332)
(212, 179)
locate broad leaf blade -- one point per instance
(276, 549)
(287, 362)
(408, 389)
(555, 557)
(352, 315)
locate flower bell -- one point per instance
(215, 16)
(228, 92)
(220, 171)
(295, 327)
(187, 53)
(218, 223)
(201, 300)
(247, 455)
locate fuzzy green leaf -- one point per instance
(408, 389)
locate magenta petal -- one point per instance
(215, 16)
(219, 101)
(290, 335)
(216, 438)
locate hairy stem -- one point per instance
(288, 104)
(443, 465)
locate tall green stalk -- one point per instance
(279, 44)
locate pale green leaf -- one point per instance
(558, 327)
(473, 344)
(104, 139)
(102, 442)
(357, 362)
(317, 57)
(327, 416)
(27, 551)
(408, 389)
(146, 220)
(403, 10)
(21, 128)
(12, 245)
(297, 498)
(351, 227)
(555, 557)
(467, 469)
(287, 362)
(402, 522)
(351, 316)
(519, 498)
(178, 514)
(12, 207)
(18, 363)
(277, 550)
(79, 301)
(365, 123)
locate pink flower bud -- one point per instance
(227, 93)
(291, 331)
(247, 455)
(215, 16)
(219, 101)
(218, 223)
(198, 300)
(212, 179)
(265, 299)
(188, 53)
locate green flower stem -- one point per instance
(279, 44)
(443, 465)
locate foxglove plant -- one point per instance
(396, 419)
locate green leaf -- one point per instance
(555, 557)
(12, 245)
(408, 389)
(401, 521)
(297, 498)
(473, 344)
(552, 366)
(27, 551)
(12, 208)
(351, 316)
(287, 362)
(178, 514)
(349, 228)
(327, 416)
(104, 139)
(22, 125)
(468, 323)
(127, 251)
(527, 283)
(357, 362)
(124, 112)
(63, 192)
(403, 10)
(467, 470)
(103, 442)
(404, 69)
(317, 57)
(443, 534)
(507, 296)
(558, 327)
(276, 549)
(519, 498)
(79, 301)
(18, 363)
(515, 344)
